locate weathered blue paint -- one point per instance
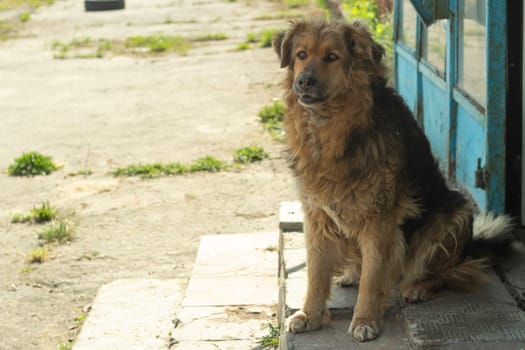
(460, 131)
(406, 77)
(496, 38)
(470, 146)
(436, 123)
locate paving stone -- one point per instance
(223, 323)
(222, 291)
(253, 263)
(291, 216)
(224, 245)
(217, 345)
(335, 336)
(234, 269)
(131, 314)
(232, 294)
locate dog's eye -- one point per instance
(301, 55)
(331, 57)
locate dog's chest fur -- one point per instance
(341, 169)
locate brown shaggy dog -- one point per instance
(378, 211)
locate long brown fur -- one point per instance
(377, 209)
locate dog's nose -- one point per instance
(306, 81)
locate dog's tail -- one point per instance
(493, 241)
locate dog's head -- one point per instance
(326, 59)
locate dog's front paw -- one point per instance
(301, 322)
(363, 329)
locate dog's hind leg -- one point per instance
(436, 256)
(352, 268)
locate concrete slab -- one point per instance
(223, 323)
(222, 291)
(224, 245)
(291, 216)
(254, 263)
(334, 336)
(131, 314)
(216, 345)
(232, 294)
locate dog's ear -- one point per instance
(282, 45)
(283, 42)
(361, 43)
(378, 52)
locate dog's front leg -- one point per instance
(382, 251)
(320, 259)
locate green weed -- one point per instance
(242, 47)
(24, 16)
(11, 4)
(266, 36)
(6, 29)
(249, 154)
(211, 37)
(58, 231)
(272, 117)
(159, 43)
(83, 47)
(31, 164)
(38, 215)
(286, 14)
(271, 340)
(252, 38)
(263, 38)
(295, 3)
(81, 172)
(66, 346)
(208, 163)
(81, 318)
(38, 255)
(26, 269)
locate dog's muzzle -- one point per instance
(306, 89)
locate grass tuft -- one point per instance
(11, 4)
(66, 346)
(272, 117)
(31, 164)
(249, 154)
(207, 163)
(159, 43)
(38, 255)
(266, 36)
(38, 215)
(24, 17)
(58, 231)
(211, 37)
(271, 340)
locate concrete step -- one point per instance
(131, 314)
(230, 299)
(486, 319)
(232, 294)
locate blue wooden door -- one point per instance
(449, 66)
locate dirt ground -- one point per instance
(107, 113)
